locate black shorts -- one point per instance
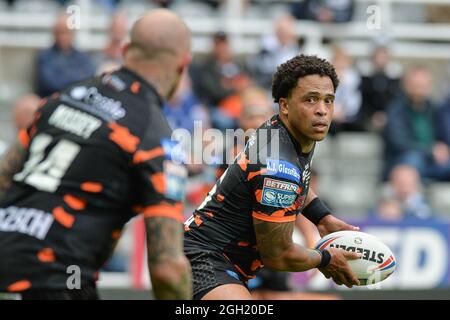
(211, 269)
(271, 280)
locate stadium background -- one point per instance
(349, 164)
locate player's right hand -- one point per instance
(339, 270)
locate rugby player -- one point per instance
(97, 154)
(247, 219)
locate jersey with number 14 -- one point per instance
(269, 180)
(97, 154)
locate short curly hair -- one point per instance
(287, 74)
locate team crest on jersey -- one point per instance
(277, 193)
(283, 169)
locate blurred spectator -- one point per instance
(276, 49)
(443, 122)
(3, 147)
(257, 107)
(378, 89)
(347, 103)
(217, 81)
(324, 10)
(110, 58)
(403, 197)
(441, 150)
(24, 109)
(411, 129)
(163, 3)
(215, 4)
(62, 64)
(184, 108)
(110, 5)
(22, 115)
(438, 13)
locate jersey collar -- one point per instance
(134, 76)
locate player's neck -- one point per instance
(153, 76)
(306, 145)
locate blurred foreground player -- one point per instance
(247, 220)
(97, 154)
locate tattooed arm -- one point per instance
(11, 163)
(279, 252)
(277, 249)
(170, 271)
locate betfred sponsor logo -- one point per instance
(281, 185)
(278, 193)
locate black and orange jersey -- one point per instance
(268, 180)
(98, 153)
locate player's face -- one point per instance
(310, 107)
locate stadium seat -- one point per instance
(324, 148)
(439, 196)
(36, 6)
(359, 145)
(352, 197)
(136, 7)
(193, 9)
(358, 154)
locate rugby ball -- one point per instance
(377, 261)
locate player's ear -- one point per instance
(125, 48)
(185, 62)
(283, 103)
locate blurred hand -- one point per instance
(339, 270)
(379, 120)
(330, 224)
(441, 153)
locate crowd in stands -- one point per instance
(224, 91)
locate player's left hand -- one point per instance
(329, 224)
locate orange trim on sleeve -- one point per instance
(142, 156)
(24, 138)
(282, 212)
(165, 210)
(19, 286)
(64, 218)
(251, 175)
(74, 202)
(258, 195)
(265, 217)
